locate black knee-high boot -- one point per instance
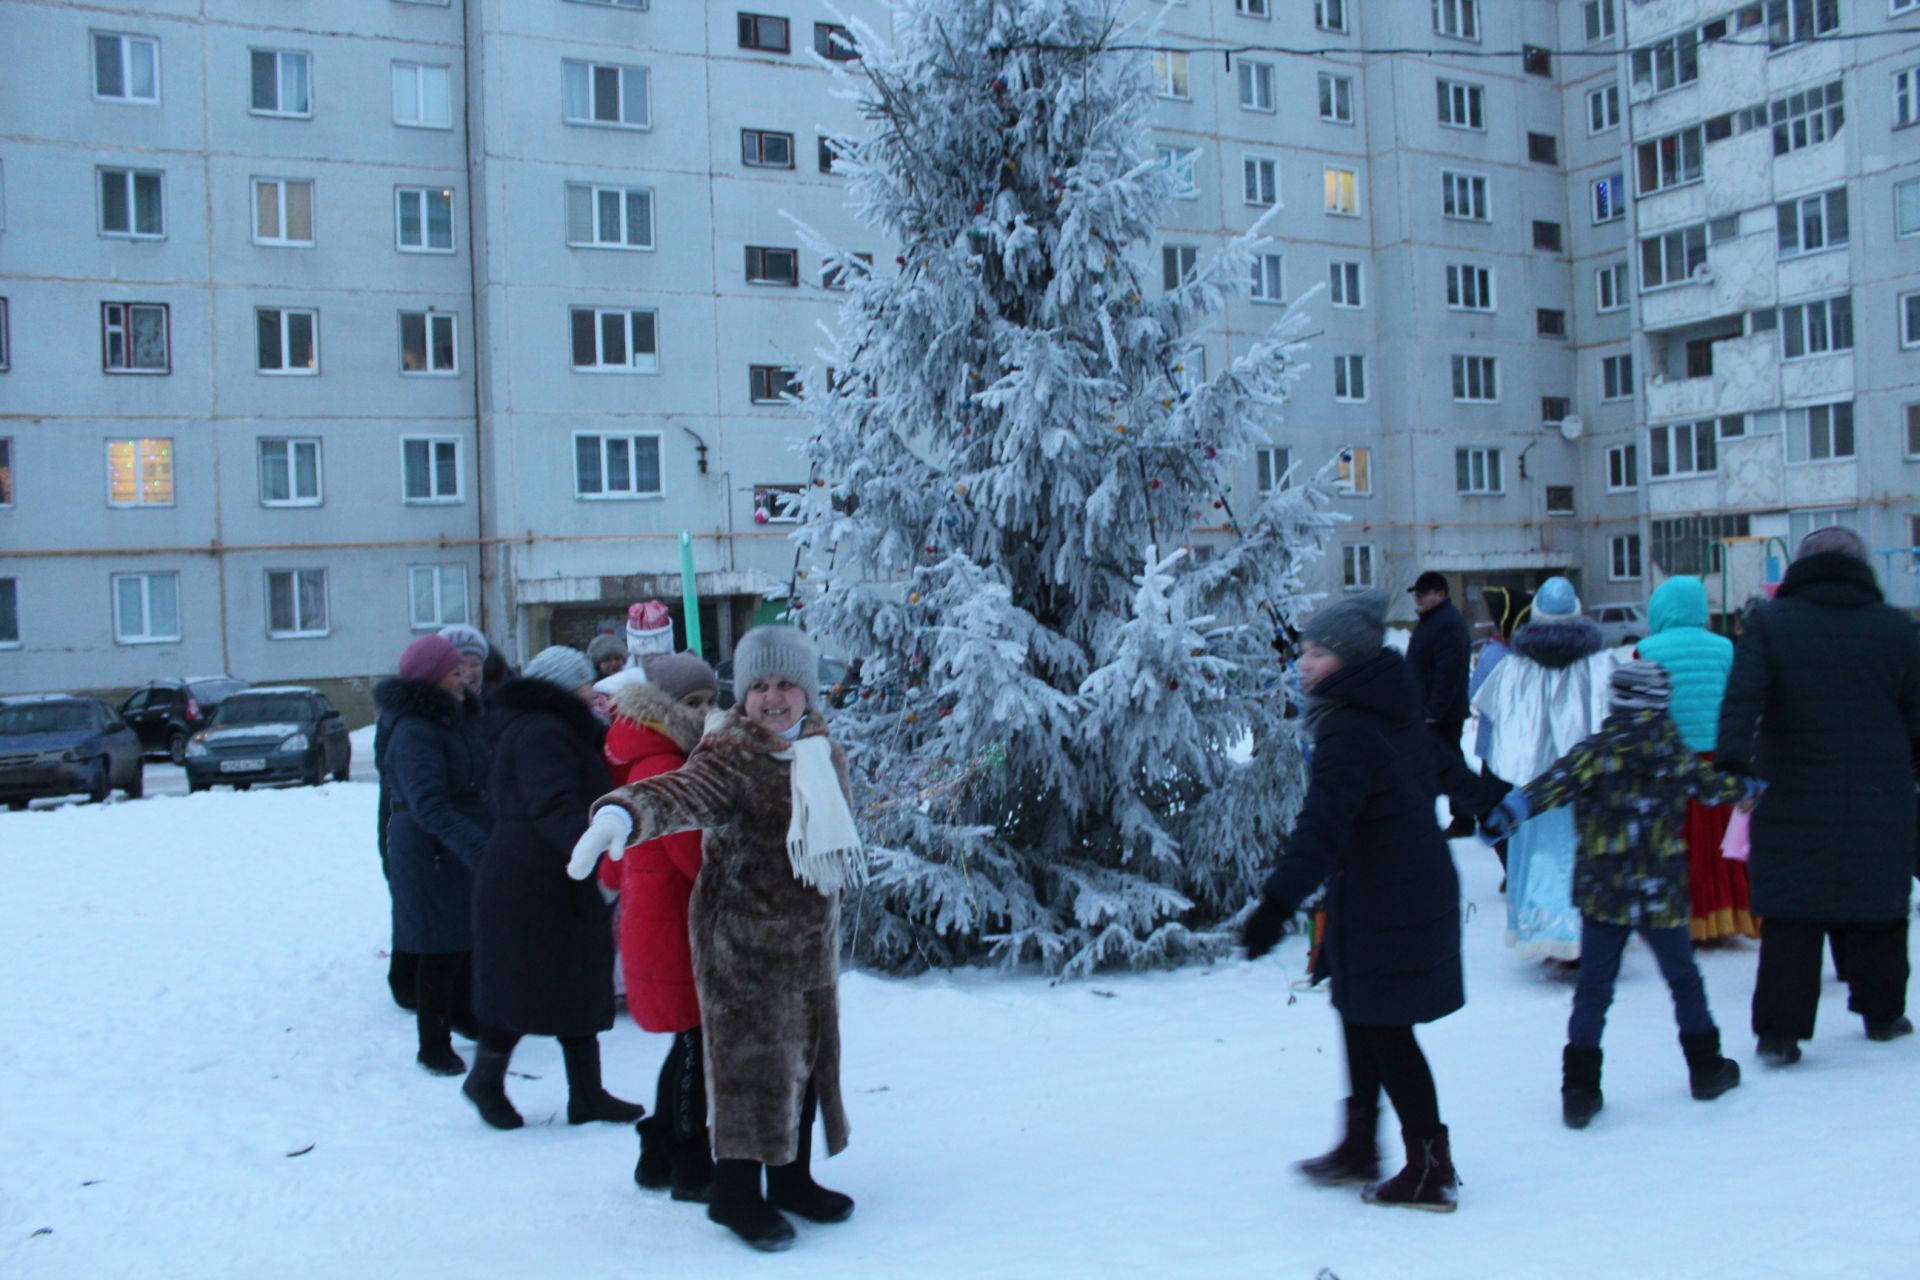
(737, 1205)
(435, 980)
(587, 1100)
(403, 978)
(791, 1186)
(692, 1144)
(654, 1170)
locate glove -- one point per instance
(1263, 929)
(607, 834)
(1500, 821)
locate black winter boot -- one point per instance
(737, 1205)
(693, 1168)
(1357, 1157)
(403, 978)
(434, 977)
(1893, 1028)
(1580, 1098)
(486, 1087)
(587, 1101)
(1428, 1182)
(1777, 1051)
(1708, 1073)
(791, 1186)
(655, 1168)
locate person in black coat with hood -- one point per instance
(543, 941)
(1392, 944)
(1823, 704)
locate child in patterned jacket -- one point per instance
(1629, 783)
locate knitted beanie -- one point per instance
(428, 659)
(559, 665)
(467, 640)
(602, 647)
(1350, 629)
(679, 674)
(777, 651)
(1642, 684)
(1556, 598)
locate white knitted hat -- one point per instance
(777, 651)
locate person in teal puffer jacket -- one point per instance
(1697, 663)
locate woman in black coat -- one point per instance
(1367, 830)
(433, 768)
(543, 942)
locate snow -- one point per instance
(205, 1078)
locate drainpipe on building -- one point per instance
(473, 292)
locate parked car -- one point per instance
(165, 713)
(270, 735)
(832, 670)
(1620, 623)
(59, 745)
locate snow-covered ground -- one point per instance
(204, 1077)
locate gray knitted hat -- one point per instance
(600, 648)
(1350, 629)
(777, 651)
(467, 640)
(559, 665)
(1640, 685)
(679, 674)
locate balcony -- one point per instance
(1731, 74)
(1817, 378)
(1740, 276)
(1742, 375)
(1740, 173)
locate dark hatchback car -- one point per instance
(270, 735)
(165, 713)
(59, 745)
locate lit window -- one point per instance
(1353, 470)
(140, 473)
(1609, 201)
(1342, 192)
(1170, 78)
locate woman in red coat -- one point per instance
(655, 726)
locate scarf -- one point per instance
(823, 845)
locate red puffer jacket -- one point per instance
(651, 735)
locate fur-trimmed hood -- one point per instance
(1557, 642)
(651, 707)
(396, 698)
(523, 696)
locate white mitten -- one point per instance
(607, 834)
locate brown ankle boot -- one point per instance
(1428, 1182)
(1357, 1157)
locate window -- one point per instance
(1182, 166)
(1260, 178)
(1336, 98)
(1550, 322)
(1170, 78)
(288, 341)
(428, 344)
(1813, 222)
(1477, 471)
(1599, 16)
(125, 68)
(146, 607)
(422, 96)
(1177, 264)
(296, 603)
(1356, 566)
(1536, 61)
(1814, 328)
(1906, 208)
(1469, 288)
(133, 337)
(1623, 468)
(1609, 203)
(771, 384)
(132, 203)
(283, 212)
(1909, 320)
(1667, 64)
(825, 158)
(1906, 97)
(609, 217)
(9, 612)
(1464, 195)
(1791, 21)
(430, 469)
(1603, 109)
(1256, 86)
(1912, 414)
(1616, 377)
(1270, 467)
(1330, 15)
(1353, 470)
(766, 34)
(140, 473)
(1343, 284)
(777, 503)
(1802, 119)
(423, 219)
(773, 266)
(1252, 8)
(1270, 278)
(622, 466)
(290, 472)
(436, 596)
(1671, 161)
(1350, 378)
(1820, 432)
(6, 472)
(604, 94)
(844, 275)
(1623, 557)
(614, 340)
(1343, 192)
(1691, 544)
(1543, 148)
(1672, 258)
(6, 347)
(1462, 106)
(1610, 288)
(1476, 379)
(1546, 235)
(1457, 18)
(282, 83)
(1682, 449)
(833, 42)
(764, 149)
(1554, 410)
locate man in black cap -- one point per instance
(1438, 654)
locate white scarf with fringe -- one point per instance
(823, 845)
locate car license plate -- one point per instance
(242, 766)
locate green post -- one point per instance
(689, 593)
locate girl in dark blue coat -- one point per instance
(1367, 830)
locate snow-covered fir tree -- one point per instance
(1012, 457)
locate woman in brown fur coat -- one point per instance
(768, 787)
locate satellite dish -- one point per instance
(1571, 426)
